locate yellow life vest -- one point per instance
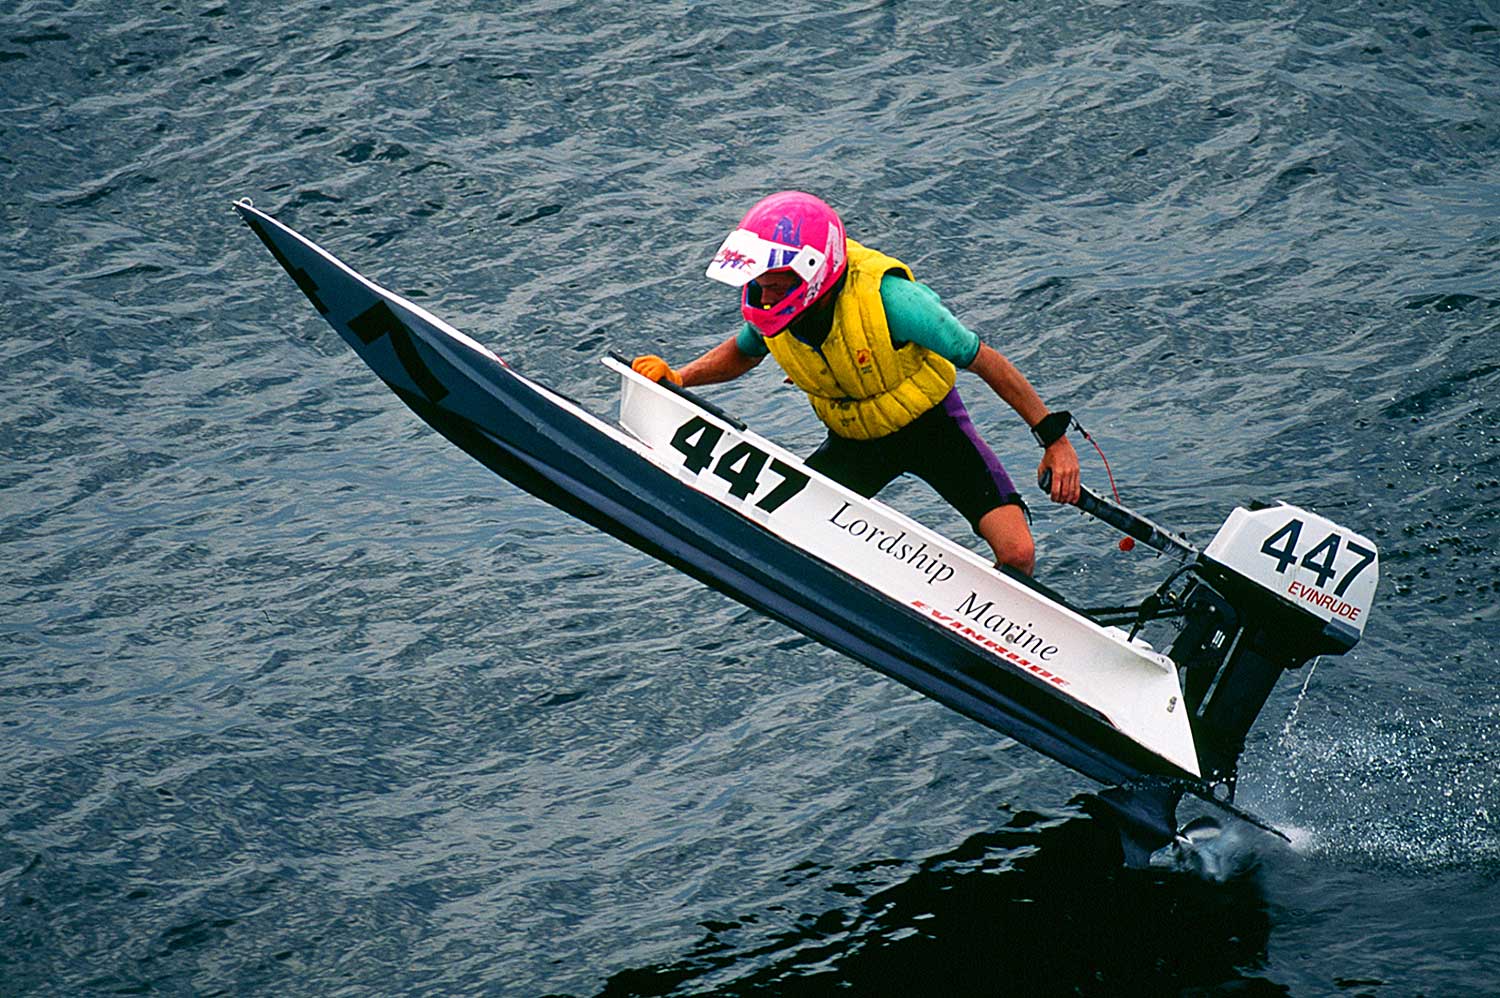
(860, 385)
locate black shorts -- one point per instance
(940, 447)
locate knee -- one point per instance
(1008, 536)
(1017, 552)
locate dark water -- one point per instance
(296, 699)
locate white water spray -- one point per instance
(1286, 731)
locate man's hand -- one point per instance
(1060, 464)
(653, 367)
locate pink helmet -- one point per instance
(786, 231)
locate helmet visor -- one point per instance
(744, 256)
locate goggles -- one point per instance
(744, 256)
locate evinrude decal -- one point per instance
(1017, 634)
(956, 624)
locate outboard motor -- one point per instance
(1276, 587)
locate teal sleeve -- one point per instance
(917, 315)
(750, 342)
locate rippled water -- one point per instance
(297, 699)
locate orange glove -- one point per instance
(653, 367)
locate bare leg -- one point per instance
(1004, 527)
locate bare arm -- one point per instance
(1012, 387)
(1008, 383)
(724, 362)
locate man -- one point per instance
(877, 354)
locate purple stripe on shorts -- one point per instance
(954, 407)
